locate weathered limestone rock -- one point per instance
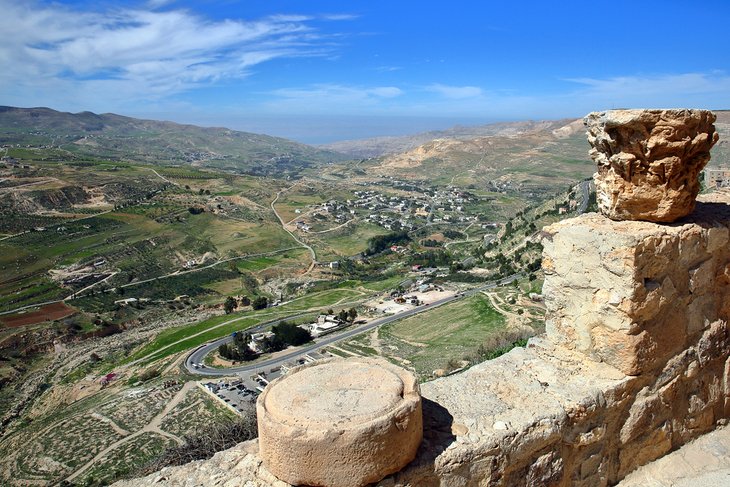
(634, 294)
(340, 423)
(649, 161)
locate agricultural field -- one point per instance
(130, 237)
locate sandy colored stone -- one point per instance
(649, 161)
(340, 423)
(634, 293)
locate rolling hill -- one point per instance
(115, 137)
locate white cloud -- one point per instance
(455, 92)
(582, 95)
(386, 91)
(145, 54)
(388, 68)
(338, 17)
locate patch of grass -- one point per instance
(383, 285)
(450, 331)
(351, 239)
(258, 263)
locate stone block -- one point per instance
(634, 293)
(340, 423)
(649, 161)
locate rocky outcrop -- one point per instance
(340, 423)
(649, 161)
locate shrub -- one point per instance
(149, 374)
(260, 303)
(204, 444)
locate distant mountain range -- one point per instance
(392, 145)
(389, 145)
(115, 137)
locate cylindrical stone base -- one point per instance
(340, 423)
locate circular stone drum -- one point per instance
(340, 423)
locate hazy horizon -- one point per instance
(325, 71)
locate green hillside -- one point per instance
(115, 137)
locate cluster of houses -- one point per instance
(396, 212)
(8, 161)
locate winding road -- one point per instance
(199, 354)
(283, 225)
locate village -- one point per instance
(393, 212)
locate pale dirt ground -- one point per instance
(388, 306)
(431, 296)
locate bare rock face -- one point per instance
(649, 161)
(340, 423)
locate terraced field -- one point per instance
(107, 435)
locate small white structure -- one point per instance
(324, 324)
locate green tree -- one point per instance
(352, 314)
(229, 305)
(291, 334)
(273, 344)
(260, 303)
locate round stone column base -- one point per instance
(340, 422)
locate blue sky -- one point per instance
(318, 71)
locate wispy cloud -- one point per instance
(455, 92)
(384, 69)
(657, 90)
(142, 53)
(331, 97)
(338, 17)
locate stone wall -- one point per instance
(635, 294)
(633, 365)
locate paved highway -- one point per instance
(198, 355)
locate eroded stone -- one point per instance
(340, 423)
(633, 294)
(649, 161)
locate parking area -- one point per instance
(233, 393)
(238, 393)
